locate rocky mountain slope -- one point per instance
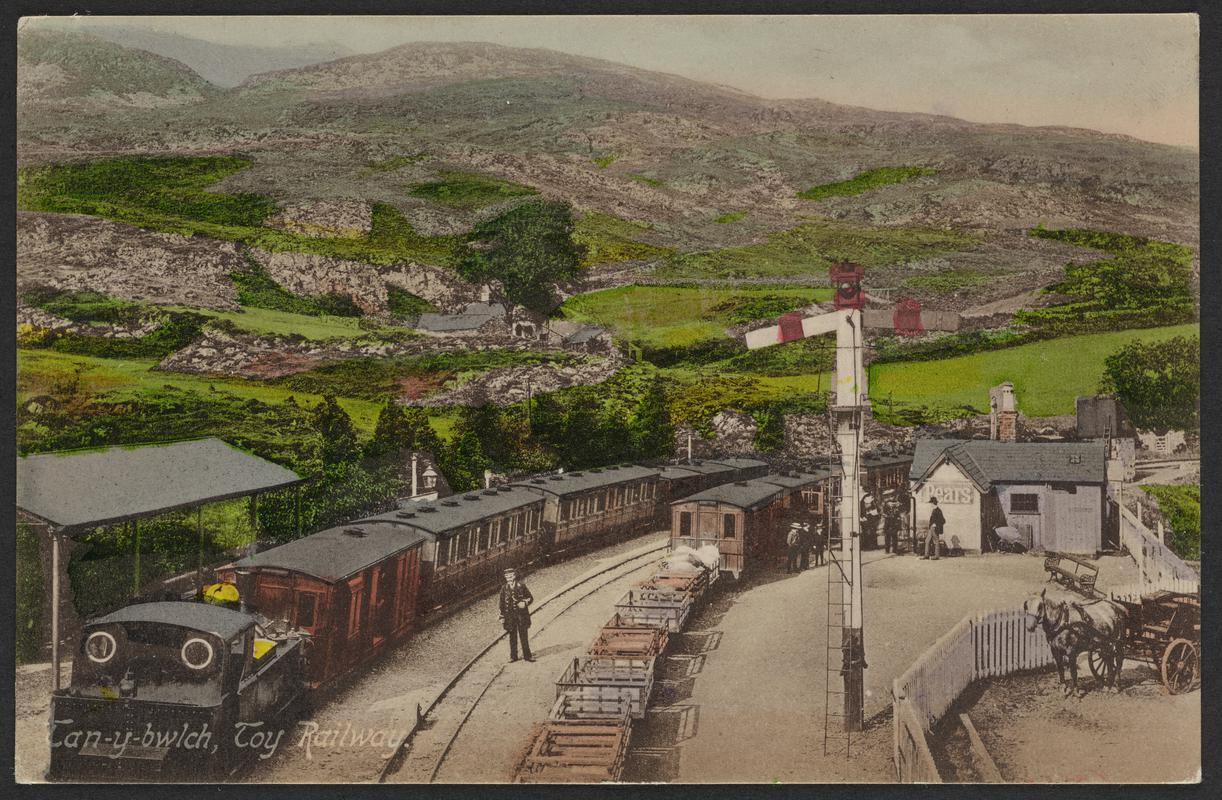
(701, 167)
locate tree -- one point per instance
(527, 249)
(653, 432)
(1158, 382)
(336, 436)
(391, 434)
(770, 433)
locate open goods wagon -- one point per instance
(663, 609)
(575, 751)
(623, 639)
(610, 680)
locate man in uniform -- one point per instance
(820, 543)
(515, 614)
(891, 525)
(869, 521)
(937, 521)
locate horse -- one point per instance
(1074, 628)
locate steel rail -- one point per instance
(394, 762)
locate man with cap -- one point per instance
(934, 537)
(515, 614)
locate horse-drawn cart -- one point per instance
(1163, 630)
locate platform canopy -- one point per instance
(78, 490)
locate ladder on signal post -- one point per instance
(837, 732)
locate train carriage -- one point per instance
(163, 691)
(740, 519)
(352, 590)
(745, 469)
(472, 538)
(593, 506)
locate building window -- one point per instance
(1024, 504)
(685, 523)
(727, 526)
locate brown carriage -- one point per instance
(1163, 630)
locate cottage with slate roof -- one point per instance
(1053, 493)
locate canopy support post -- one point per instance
(297, 511)
(199, 529)
(254, 524)
(54, 609)
(136, 575)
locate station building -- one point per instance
(1053, 493)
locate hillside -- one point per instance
(59, 70)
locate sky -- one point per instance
(1127, 73)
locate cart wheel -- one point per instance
(1102, 664)
(1181, 666)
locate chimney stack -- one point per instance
(1003, 413)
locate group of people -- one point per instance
(801, 539)
(890, 516)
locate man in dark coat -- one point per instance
(820, 536)
(515, 614)
(891, 525)
(792, 545)
(805, 542)
(937, 521)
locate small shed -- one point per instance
(1053, 493)
(72, 492)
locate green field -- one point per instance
(117, 379)
(865, 181)
(675, 316)
(169, 195)
(469, 191)
(610, 240)
(286, 323)
(811, 248)
(1047, 376)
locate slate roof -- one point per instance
(747, 495)
(702, 467)
(334, 554)
(792, 480)
(572, 482)
(742, 463)
(79, 490)
(218, 620)
(439, 517)
(471, 318)
(988, 462)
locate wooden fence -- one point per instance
(1158, 567)
(983, 645)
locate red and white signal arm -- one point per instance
(907, 317)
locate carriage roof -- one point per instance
(217, 620)
(457, 511)
(336, 553)
(747, 495)
(600, 477)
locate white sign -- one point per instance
(950, 494)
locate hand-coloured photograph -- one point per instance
(625, 399)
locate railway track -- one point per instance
(423, 752)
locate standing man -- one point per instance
(820, 543)
(515, 614)
(804, 545)
(891, 525)
(870, 517)
(937, 521)
(792, 543)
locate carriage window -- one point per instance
(443, 552)
(485, 532)
(685, 523)
(1024, 504)
(356, 605)
(306, 605)
(727, 527)
(602, 502)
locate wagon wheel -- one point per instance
(1102, 662)
(1181, 666)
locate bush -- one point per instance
(1181, 505)
(180, 329)
(1158, 382)
(404, 305)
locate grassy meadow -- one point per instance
(1048, 376)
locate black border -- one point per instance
(1211, 399)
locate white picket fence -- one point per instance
(983, 645)
(1158, 567)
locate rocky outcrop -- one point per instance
(219, 352)
(42, 320)
(83, 253)
(509, 385)
(324, 218)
